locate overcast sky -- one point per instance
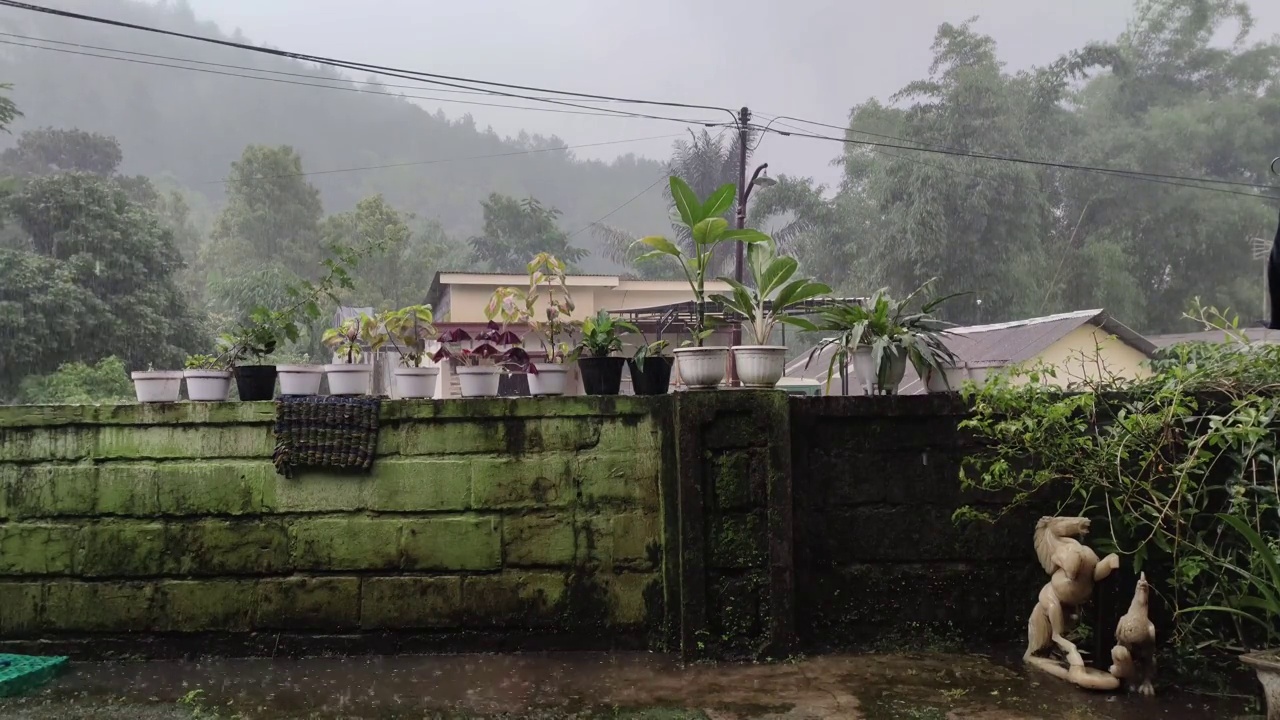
(809, 58)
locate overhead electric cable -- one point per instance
(431, 78)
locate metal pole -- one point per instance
(744, 117)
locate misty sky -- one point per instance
(812, 59)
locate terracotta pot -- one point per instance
(1267, 665)
(760, 366)
(702, 368)
(157, 386)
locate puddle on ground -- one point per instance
(584, 686)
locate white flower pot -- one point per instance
(353, 379)
(157, 386)
(1267, 665)
(552, 378)
(478, 381)
(866, 371)
(701, 368)
(300, 379)
(416, 382)
(949, 379)
(208, 385)
(760, 366)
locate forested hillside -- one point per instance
(187, 126)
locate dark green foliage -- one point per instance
(516, 230)
(79, 383)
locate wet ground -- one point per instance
(584, 686)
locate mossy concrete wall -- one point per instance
(484, 524)
(880, 561)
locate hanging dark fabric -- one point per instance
(1273, 282)
(325, 432)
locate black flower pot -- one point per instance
(655, 378)
(601, 375)
(255, 382)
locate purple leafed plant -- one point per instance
(514, 358)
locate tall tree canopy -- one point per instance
(515, 231)
(96, 279)
(272, 214)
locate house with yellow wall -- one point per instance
(1082, 344)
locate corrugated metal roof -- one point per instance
(999, 344)
(1255, 334)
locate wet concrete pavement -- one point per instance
(630, 686)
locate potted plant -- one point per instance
(700, 367)
(408, 330)
(157, 386)
(552, 326)
(479, 367)
(208, 380)
(764, 306)
(601, 338)
(880, 336)
(349, 341)
(650, 369)
(257, 339)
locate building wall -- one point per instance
(483, 524)
(1074, 356)
(467, 302)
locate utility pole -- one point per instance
(744, 117)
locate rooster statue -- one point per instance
(1134, 657)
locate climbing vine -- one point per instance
(1177, 470)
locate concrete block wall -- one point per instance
(485, 523)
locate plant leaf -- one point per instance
(686, 202)
(719, 201)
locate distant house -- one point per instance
(1068, 341)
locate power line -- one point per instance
(366, 91)
(943, 149)
(447, 160)
(234, 67)
(432, 78)
(1129, 175)
(609, 214)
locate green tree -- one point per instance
(98, 280)
(272, 213)
(78, 384)
(516, 230)
(53, 150)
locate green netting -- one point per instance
(22, 673)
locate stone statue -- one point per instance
(1073, 569)
(1134, 656)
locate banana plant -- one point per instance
(774, 294)
(708, 229)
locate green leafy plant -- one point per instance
(602, 334)
(408, 330)
(1177, 470)
(353, 336)
(268, 329)
(648, 350)
(552, 325)
(774, 295)
(889, 330)
(707, 229)
(77, 383)
(203, 362)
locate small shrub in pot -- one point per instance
(651, 369)
(350, 340)
(601, 338)
(478, 361)
(208, 379)
(408, 330)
